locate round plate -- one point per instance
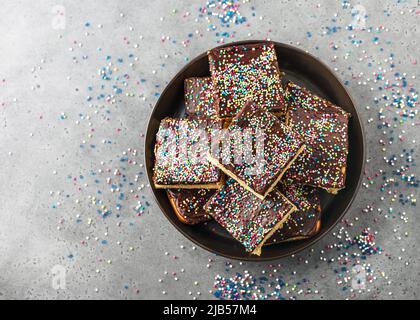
(305, 70)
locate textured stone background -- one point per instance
(65, 127)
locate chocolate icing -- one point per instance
(280, 144)
(178, 161)
(246, 217)
(305, 221)
(244, 72)
(199, 97)
(324, 127)
(189, 204)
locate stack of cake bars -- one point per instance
(284, 145)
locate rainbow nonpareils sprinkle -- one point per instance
(324, 127)
(305, 222)
(247, 218)
(243, 73)
(263, 148)
(180, 154)
(200, 98)
(227, 11)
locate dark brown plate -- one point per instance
(304, 69)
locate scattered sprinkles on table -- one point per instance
(223, 16)
(227, 11)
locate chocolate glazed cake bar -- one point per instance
(325, 129)
(180, 153)
(189, 204)
(305, 222)
(245, 72)
(200, 98)
(247, 218)
(272, 144)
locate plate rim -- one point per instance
(311, 241)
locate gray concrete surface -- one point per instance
(58, 147)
